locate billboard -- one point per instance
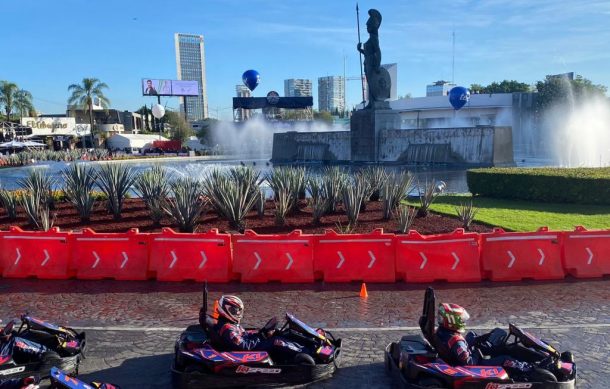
(156, 87)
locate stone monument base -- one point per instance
(365, 126)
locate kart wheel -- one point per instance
(430, 383)
(567, 356)
(193, 369)
(304, 359)
(541, 375)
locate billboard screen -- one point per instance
(155, 87)
(185, 88)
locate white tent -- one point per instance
(12, 145)
(132, 141)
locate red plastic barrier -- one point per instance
(199, 257)
(121, 256)
(512, 256)
(35, 254)
(451, 257)
(586, 253)
(263, 258)
(355, 257)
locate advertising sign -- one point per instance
(155, 87)
(56, 126)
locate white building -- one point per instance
(297, 87)
(190, 64)
(439, 88)
(331, 94)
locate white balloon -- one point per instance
(158, 111)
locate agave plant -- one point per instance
(37, 211)
(9, 201)
(376, 176)
(353, 196)
(466, 213)
(40, 185)
(283, 202)
(395, 190)
(115, 180)
(186, 203)
(333, 181)
(79, 182)
(406, 217)
(317, 201)
(290, 179)
(426, 197)
(153, 187)
(232, 198)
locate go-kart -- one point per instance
(415, 361)
(201, 358)
(36, 346)
(62, 380)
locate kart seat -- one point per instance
(214, 337)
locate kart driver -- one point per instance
(236, 338)
(451, 325)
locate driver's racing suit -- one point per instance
(457, 348)
(236, 338)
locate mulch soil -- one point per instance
(136, 215)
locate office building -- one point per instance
(297, 87)
(190, 64)
(331, 94)
(439, 88)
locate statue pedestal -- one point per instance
(365, 126)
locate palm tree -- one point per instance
(23, 102)
(8, 90)
(83, 95)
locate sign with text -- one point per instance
(56, 126)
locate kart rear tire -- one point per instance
(541, 375)
(304, 359)
(50, 359)
(567, 356)
(430, 383)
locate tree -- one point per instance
(476, 88)
(323, 116)
(556, 90)
(146, 112)
(23, 102)
(8, 92)
(180, 128)
(207, 127)
(505, 86)
(83, 95)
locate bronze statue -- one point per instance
(378, 78)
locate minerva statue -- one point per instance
(377, 78)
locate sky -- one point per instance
(48, 45)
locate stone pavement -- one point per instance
(131, 326)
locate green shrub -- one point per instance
(556, 185)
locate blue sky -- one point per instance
(55, 43)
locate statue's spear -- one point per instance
(359, 43)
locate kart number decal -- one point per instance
(12, 371)
(242, 369)
(493, 385)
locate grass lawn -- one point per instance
(517, 215)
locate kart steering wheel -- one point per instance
(270, 325)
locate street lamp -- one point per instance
(158, 112)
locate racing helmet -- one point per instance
(452, 317)
(231, 308)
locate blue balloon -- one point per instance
(458, 97)
(251, 79)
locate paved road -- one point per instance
(131, 326)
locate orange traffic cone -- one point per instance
(363, 293)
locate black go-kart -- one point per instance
(62, 380)
(415, 363)
(36, 346)
(202, 360)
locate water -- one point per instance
(454, 178)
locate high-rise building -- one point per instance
(331, 94)
(241, 114)
(190, 64)
(297, 87)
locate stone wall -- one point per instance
(330, 146)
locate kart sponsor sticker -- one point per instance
(493, 385)
(242, 369)
(12, 371)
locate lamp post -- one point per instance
(158, 112)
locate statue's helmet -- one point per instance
(376, 15)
